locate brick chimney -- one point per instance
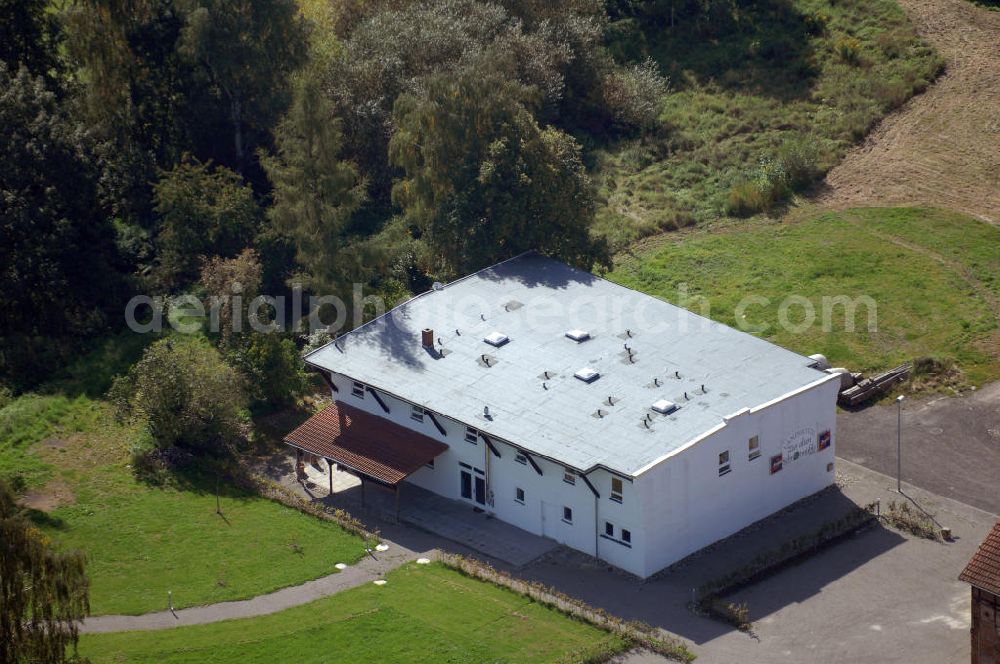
(427, 338)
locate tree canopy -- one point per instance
(43, 593)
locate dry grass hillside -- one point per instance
(942, 149)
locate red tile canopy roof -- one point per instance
(983, 571)
(365, 443)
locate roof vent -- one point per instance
(496, 339)
(587, 375)
(664, 406)
(578, 335)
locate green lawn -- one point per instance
(142, 541)
(745, 83)
(924, 290)
(423, 614)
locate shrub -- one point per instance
(902, 517)
(272, 367)
(848, 49)
(632, 95)
(185, 394)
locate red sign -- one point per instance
(775, 464)
(824, 440)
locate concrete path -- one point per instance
(367, 570)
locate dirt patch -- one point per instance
(54, 494)
(942, 149)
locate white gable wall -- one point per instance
(689, 506)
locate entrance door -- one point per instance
(474, 491)
(481, 490)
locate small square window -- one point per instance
(724, 467)
(568, 514)
(471, 435)
(358, 389)
(616, 489)
(626, 536)
(609, 529)
(417, 413)
(521, 459)
(754, 447)
(519, 495)
(569, 477)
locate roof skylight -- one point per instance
(496, 339)
(578, 335)
(587, 375)
(664, 406)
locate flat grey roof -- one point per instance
(645, 350)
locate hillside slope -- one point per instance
(942, 148)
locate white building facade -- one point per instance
(644, 488)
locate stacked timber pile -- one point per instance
(868, 388)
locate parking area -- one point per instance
(951, 445)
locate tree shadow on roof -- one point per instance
(532, 270)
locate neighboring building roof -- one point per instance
(638, 345)
(983, 571)
(365, 443)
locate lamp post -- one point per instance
(899, 445)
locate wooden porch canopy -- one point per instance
(370, 446)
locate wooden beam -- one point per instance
(489, 444)
(378, 399)
(532, 462)
(590, 486)
(437, 424)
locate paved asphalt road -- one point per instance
(951, 445)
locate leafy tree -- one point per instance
(185, 394)
(30, 36)
(203, 212)
(315, 193)
(58, 264)
(225, 278)
(245, 50)
(43, 593)
(483, 180)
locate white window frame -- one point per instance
(358, 389)
(567, 510)
(472, 435)
(725, 467)
(417, 413)
(569, 476)
(617, 495)
(626, 536)
(521, 459)
(608, 525)
(519, 495)
(753, 447)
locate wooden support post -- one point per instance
(330, 464)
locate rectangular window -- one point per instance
(568, 514)
(519, 495)
(417, 413)
(754, 447)
(616, 489)
(724, 466)
(471, 435)
(626, 536)
(358, 389)
(569, 477)
(609, 529)
(521, 459)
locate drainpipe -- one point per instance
(597, 532)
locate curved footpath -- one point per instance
(369, 569)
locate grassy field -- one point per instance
(812, 76)
(423, 614)
(143, 540)
(934, 277)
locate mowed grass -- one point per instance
(142, 541)
(423, 614)
(924, 270)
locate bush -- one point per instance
(185, 394)
(272, 367)
(795, 165)
(848, 49)
(902, 517)
(631, 96)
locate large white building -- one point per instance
(574, 408)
